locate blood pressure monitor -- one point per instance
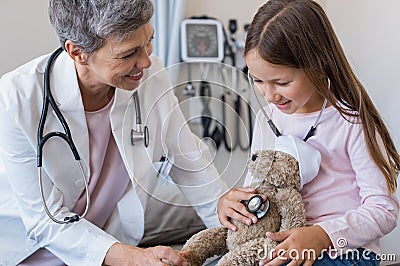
(202, 40)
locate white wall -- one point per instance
(224, 10)
(25, 32)
(370, 33)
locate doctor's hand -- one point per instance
(124, 255)
(294, 241)
(230, 207)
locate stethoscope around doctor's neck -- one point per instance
(136, 136)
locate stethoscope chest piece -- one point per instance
(256, 206)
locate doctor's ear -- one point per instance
(76, 53)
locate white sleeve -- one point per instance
(73, 243)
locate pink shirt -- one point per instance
(348, 198)
(108, 175)
(108, 179)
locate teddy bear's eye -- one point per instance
(254, 157)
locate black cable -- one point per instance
(232, 147)
(205, 95)
(238, 113)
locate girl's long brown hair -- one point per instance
(297, 33)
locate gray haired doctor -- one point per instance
(106, 57)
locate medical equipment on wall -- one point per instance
(206, 116)
(48, 99)
(202, 39)
(238, 116)
(273, 127)
(198, 39)
(238, 110)
(136, 136)
(189, 89)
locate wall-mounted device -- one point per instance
(202, 40)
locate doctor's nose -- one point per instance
(144, 59)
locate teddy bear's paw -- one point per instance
(193, 259)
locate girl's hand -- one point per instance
(124, 255)
(313, 239)
(230, 207)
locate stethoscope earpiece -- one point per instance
(256, 206)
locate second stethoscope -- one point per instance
(136, 136)
(273, 127)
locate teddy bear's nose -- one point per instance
(254, 157)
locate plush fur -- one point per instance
(275, 175)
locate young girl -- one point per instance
(296, 62)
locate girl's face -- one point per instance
(120, 64)
(289, 89)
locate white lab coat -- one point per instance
(24, 225)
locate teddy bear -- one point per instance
(279, 174)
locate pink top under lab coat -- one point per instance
(108, 180)
(348, 198)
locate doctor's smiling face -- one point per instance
(119, 63)
(290, 89)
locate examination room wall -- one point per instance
(25, 32)
(368, 30)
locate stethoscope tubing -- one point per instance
(269, 120)
(66, 136)
(67, 219)
(48, 99)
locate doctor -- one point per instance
(107, 56)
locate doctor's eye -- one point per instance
(129, 55)
(150, 41)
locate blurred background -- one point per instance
(368, 30)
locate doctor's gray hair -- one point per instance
(87, 23)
